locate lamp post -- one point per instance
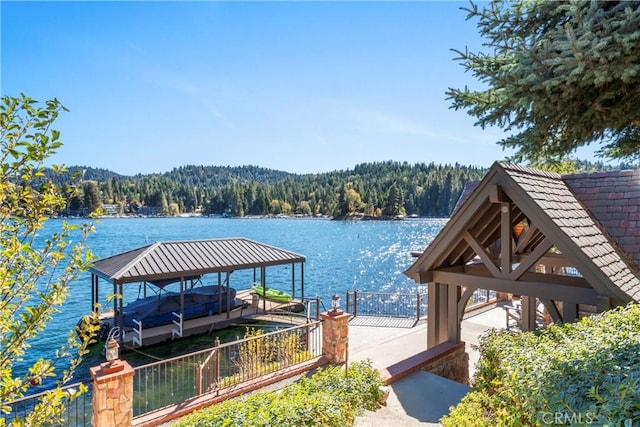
(335, 332)
(112, 391)
(112, 354)
(335, 304)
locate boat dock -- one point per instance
(202, 270)
(251, 307)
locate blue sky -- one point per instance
(303, 87)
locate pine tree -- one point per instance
(557, 75)
(393, 205)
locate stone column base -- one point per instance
(112, 396)
(452, 364)
(335, 335)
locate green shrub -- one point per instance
(255, 353)
(261, 353)
(574, 374)
(473, 409)
(331, 397)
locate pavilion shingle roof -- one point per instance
(571, 201)
(466, 192)
(592, 218)
(175, 259)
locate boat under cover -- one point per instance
(157, 310)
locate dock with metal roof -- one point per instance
(163, 263)
(254, 308)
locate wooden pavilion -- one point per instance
(570, 242)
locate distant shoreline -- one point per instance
(346, 218)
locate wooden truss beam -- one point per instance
(527, 262)
(484, 255)
(571, 293)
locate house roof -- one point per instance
(163, 262)
(590, 218)
(613, 199)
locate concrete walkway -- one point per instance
(422, 398)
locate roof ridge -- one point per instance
(529, 170)
(212, 239)
(137, 259)
(595, 174)
(166, 259)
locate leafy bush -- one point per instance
(574, 374)
(261, 353)
(255, 353)
(331, 397)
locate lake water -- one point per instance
(340, 256)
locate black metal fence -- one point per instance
(482, 296)
(170, 382)
(77, 407)
(173, 381)
(313, 307)
(387, 304)
(399, 305)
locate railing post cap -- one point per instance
(334, 315)
(104, 372)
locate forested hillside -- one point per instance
(384, 189)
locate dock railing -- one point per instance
(313, 307)
(387, 304)
(77, 407)
(407, 305)
(173, 381)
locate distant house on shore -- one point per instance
(149, 210)
(111, 209)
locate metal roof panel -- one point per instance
(175, 259)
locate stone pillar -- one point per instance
(335, 335)
(112, 395)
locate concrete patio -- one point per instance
(421, 398)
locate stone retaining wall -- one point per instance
(452, 363)
(447, 360)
